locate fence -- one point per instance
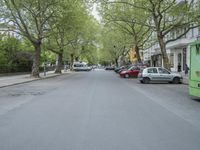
(23, 68)
(14, 68)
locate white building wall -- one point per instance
(176, 48)
(188, 55)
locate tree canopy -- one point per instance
(66, 31)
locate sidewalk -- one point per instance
(19, 79)
(185, 77)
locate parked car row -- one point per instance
(149, 74)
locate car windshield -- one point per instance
(132, 68)
(78, 65)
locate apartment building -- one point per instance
(178, 51)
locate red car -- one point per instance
(131, 72)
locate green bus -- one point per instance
(194, 75)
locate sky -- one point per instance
(95, 13)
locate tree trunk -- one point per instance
(77, 58)
(137, 50)
(59, 65)
(36, 61)
(72, 61)
(116, 62)
(161, 41)
(164, 52)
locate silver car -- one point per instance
(158, 74)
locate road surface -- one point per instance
(98, 110)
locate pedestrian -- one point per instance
(179, 67)
(186, 69)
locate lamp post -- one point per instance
(45, 64)
(45, 68)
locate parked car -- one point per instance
(125, 68)
(81, 66)
(119, 68)
(131, 72)
(158, 74)
(110, 68)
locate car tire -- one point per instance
(146, 80)
(141, 81)
(126, 76)
(176, 80)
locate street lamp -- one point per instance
(45, 67)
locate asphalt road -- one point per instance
(98, 111)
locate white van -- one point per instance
(81, 66)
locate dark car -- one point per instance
(119, 68)
(110, 68)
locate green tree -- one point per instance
(163, 17)
(116, 44)
(125, 19)
(72, 33)
(9, 46)
(66, 19)
(29, 19)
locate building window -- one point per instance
(177, 33)
(172, 60)
(172, 35)
(168, 37)
(192, 30)
(199, 30)
(183, 31)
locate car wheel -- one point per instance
(176, 80)
(146, 80)
(126, 75)
(141, 81)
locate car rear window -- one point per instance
(152, 70)
(78, 65)
(163, 71)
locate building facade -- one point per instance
(178, 51)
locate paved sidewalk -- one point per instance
(185, 77)
(19, 79)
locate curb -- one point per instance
(185, 83)
(32, 80)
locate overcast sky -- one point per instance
(95, 13)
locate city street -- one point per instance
(98, 110)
